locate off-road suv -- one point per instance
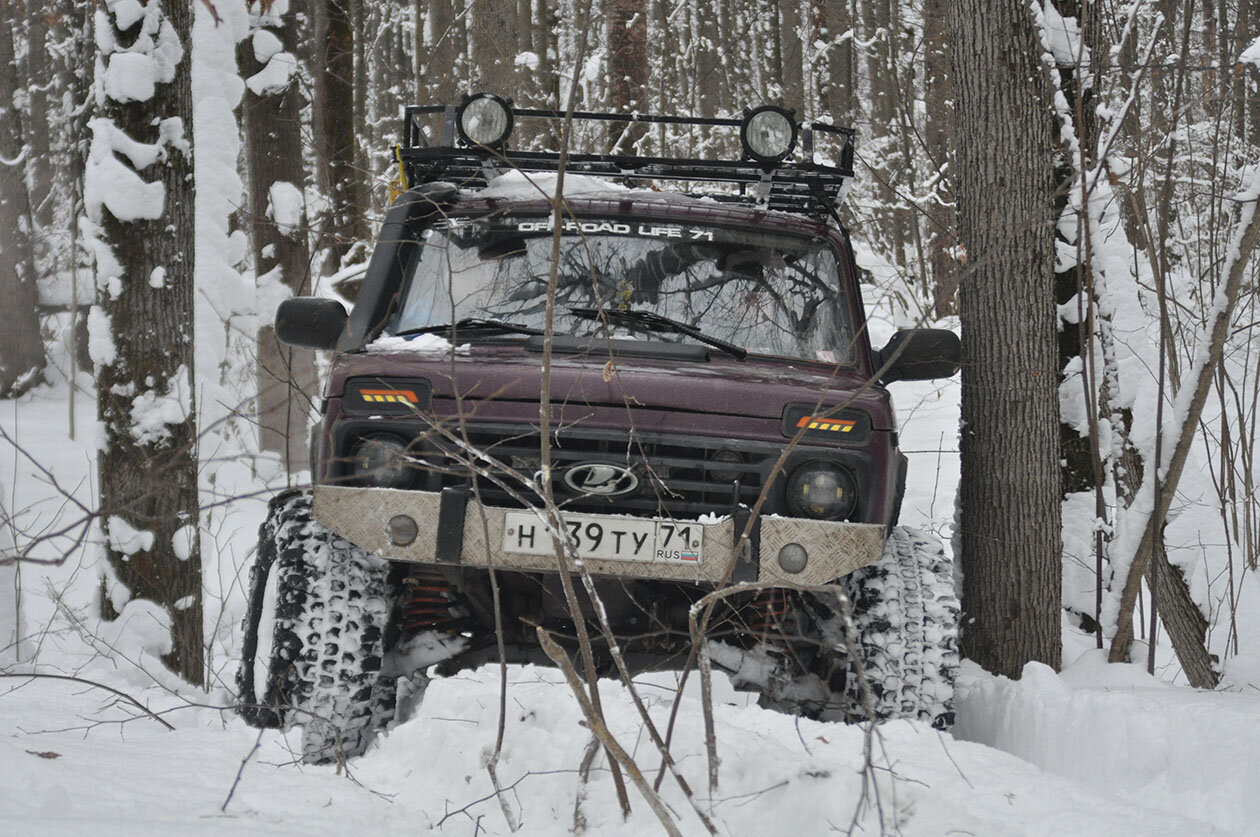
(716, 417)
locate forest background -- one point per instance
(1153, 119)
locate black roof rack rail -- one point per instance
(799, 186)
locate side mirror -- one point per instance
(920, 354)
(309, 322)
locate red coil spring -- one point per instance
(429, 604)
(770, 615)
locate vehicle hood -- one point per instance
(754, 388)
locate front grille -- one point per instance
(676, 477)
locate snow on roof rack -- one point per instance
(799, 186)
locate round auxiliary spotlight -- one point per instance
(484, 119)
(768, 133)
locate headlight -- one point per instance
(822, 491)
(381, 462)
(484, 119)
(730, 457)
(768, 133)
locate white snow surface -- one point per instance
(424, 344)
(518, 185)
(75, 758)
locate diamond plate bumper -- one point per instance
(362, 515)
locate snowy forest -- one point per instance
(1069, 185)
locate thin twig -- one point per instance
(96, 685)
(241, 770)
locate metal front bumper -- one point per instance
(362, 515)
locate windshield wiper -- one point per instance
(651, 321)
(471, 327)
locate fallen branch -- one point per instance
(1190, 409)
(596, 722)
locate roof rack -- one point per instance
(798, 186)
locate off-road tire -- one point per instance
(332, 604)
(905, 613)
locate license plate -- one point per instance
(611, 539)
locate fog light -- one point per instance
(403, 531)
(484, 119)
(768, 134)
(793, 558)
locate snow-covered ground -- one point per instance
(1106, 755)
(1095, 750)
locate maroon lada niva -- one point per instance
(668, 389)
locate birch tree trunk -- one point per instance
(21, 347)
(139, 190)
(1009, 490)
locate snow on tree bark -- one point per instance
(139, 193)
(1009, 491)
(21, 347)
(938, 102)
(273, 129)
(38, 77)
(627, 69)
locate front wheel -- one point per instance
(904, 632)
(905, 613)
(327, 603)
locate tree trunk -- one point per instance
(836, 82)
(494, 47)
(21, 347)
(704, 46)
(627, 70)
(1009, 489)
(790, 37)
(334, 129)
(1188, 405)
(362, 130)
(938, 140)
(39, 81)
(436, 78)
(272, 120)
(1185, 623)
(143, 323)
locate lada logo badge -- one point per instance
(601, 479)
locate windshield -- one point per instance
(771, 294)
